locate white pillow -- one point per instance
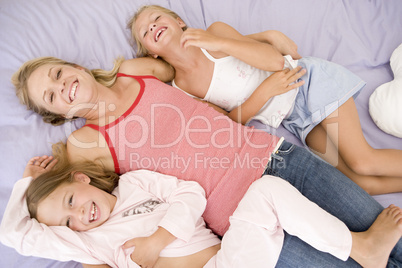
(385, 104)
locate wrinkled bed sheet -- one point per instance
(360, 35)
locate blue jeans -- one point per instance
(334, 192)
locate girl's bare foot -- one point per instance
(373, 247)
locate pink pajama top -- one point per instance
(145, 201)
(167, 131)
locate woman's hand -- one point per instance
(38, 165)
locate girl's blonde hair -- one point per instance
(141, 50)
(63, 173)
(20, 81)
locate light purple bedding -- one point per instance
(359, 34)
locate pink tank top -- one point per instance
(169, 132)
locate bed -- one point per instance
(358, 34)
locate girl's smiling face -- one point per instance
(154, 30)
(77, 205)
(62, 89)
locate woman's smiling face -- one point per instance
(60, 88)
(77, 205)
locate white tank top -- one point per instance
(233, 81)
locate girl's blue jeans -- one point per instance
(332, 191)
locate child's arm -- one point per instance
(147, 249)
(186, 201)
(221, 40)
(276, 84)
(280, 41)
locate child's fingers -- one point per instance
(295, 70)
(296, 73)
(186, 37)
(33, 160)
(129, 244)
(51, 164)
(45, 160)
(40, 160)
(292, 72)
(37, 160)
(183, 42)
(296, 85)
(187, 41)
(195, 37)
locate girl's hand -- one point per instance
(285, 80)
(200, 38)
(38, 165)
(145, 253)
(147, 249)
(278, 83)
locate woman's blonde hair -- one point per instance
(20, 81)
(141, 50)
(63, 173)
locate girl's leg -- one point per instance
(287, 209)
(318, 141)
(321, 145)
(354, 149)
(330, 189)
(255, 236)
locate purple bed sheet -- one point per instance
(358, 34)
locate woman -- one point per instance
(146, 124)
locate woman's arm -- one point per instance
(217, 108)
(278, 83)
(221, 40)
(148, 66)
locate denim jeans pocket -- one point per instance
(285, 148)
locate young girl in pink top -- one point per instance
(223, 67)
(83, 198)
